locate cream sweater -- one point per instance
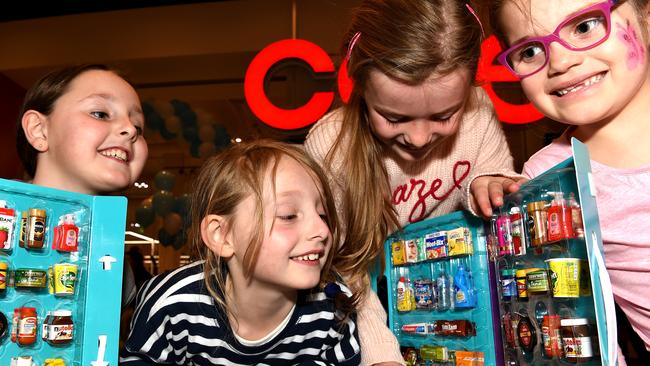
(420, 190)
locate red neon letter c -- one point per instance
(287, 119)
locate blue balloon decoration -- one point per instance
(194, 149)
(191, 134)
(164, 180)
(144, 215)
(163, 202)
(221, 138)
(182, 205)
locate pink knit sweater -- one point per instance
(420, 190)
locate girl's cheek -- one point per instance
(635, 56)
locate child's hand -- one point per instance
(487, 192)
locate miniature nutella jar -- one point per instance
(60, 328)
(576, 338)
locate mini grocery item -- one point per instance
(559, 218)
(405, 295)
(565, 276)
(65, 278)
(7, 221)
(577, 340)
(36, 228)
(463, 288)
(30, 278)
(537, 221)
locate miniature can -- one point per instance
(65, 278)
(3, 276)
(537, 281)
(565, 276)
(30, 278)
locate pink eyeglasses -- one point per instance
(583, 30)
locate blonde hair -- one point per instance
(231, 176)
(407, 40)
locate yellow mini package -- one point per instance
(399, 252)
(459, 242)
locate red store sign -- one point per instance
(320, 102)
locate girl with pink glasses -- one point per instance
(585, 63)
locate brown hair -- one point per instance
(496, 6)
(408, 40)
(231, 176)
(42, 97)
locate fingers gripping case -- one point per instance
(60, 290)
(529, 287)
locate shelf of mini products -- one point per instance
(439, 289)
(546, 305)
(44, 268)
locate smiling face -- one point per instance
(94, 141)
(296, 238)
(587, 86)
(410, 120)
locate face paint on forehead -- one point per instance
(636, 54)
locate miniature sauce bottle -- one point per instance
(36, 233)
(559, 219)
(576, 217)
(7, 219)
(69, 235)
(27, 324)
(56, 234)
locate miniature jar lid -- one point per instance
(573, 322)
(535, 206)
(36, 212)
(62, 313)
(508, 272)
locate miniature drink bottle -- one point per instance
(463, 289)
(518, 231)
(444, 292)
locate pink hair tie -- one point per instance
(353, 41)
(469, 7)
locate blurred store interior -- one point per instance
(187, 57)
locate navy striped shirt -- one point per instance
(177, 322)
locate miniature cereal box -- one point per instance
(411, 251)
(459, 242)
(436, 245)
(399, 252)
